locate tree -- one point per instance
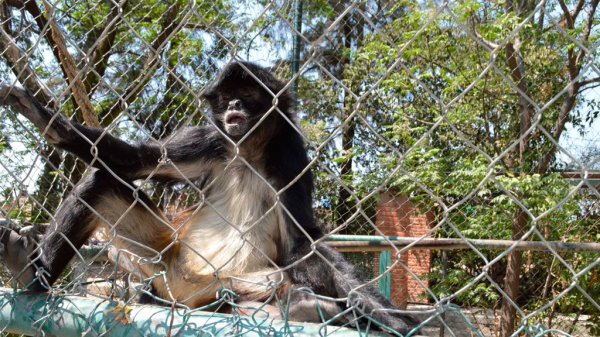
(478, 96)
(102, 63)
(331, 122)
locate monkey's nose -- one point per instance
(235, 104)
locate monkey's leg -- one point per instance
(302, 305)
(196, 288)
(342, 282)
(258, 293)
(98, 198)
(270, 292)
(261, 285)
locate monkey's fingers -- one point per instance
(15, 253)
(52, 125)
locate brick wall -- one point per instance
(397, 216)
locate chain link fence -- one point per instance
(454, 145)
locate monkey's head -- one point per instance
(242, 94)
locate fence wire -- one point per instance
(423, 119)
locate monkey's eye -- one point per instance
(246, 92)
(226, 96)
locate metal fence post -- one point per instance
(385, 283)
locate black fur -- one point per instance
(238, 102)
(75, 220)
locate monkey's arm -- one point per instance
(191, 148)
(318, 266)
(288, 165)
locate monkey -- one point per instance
(253, 231)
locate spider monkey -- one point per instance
(253, 232)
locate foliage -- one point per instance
(449, 121)
(460, 108)
(141, 59)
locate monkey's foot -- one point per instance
(259, 310)
(16, 248)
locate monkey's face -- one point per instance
(237, 110)
(242, 95)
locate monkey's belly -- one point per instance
(216, 253)
(213, 245)
(197, 277)
(231, 242)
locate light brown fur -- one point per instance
(230, 241)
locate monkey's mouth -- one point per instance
(235, 118)
(236, 123)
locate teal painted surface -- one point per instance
(65, 316)
(385, 282)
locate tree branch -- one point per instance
(517, 72)
(491, 45)
(582, 89)
(17, 60)
(51, 32)
(169, 27)
(589, 81)
(567, 14)
(574, 67)
(542, 16)
(572, 64)
(565, 108)
(587, 30)
(571, 17)
(590, 21)
(102, 51)
(75, 83)
(578, 9)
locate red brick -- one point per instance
(397, 216)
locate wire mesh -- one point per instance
(423, 119)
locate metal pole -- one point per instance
(444, 278)
(377, 243)
(297, 42)
(385, 283)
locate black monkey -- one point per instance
(253, 232)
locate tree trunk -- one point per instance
(512, 278)
(345, 205)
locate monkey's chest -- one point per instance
(239, 227)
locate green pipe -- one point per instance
(362, 238)
(27, 313)
(379, 242)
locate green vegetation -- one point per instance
(461, 108)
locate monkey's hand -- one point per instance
(54, 126)
(16, 248)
